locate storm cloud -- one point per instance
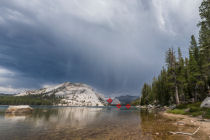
(113, 45)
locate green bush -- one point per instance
(206, 114)
(197, 104)
(194, 114)
(177, 111)
(182, 106)
(194, 109)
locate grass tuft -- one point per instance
(191, 109)
(177, 111)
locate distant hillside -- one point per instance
(3, 94)
(127, 99)
(115, 101)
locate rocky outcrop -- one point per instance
(115, 101)
(71, 94)
(22, 109)
(206, 103)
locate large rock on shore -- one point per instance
(206, 103)
(21, 109)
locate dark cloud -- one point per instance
(113, 45)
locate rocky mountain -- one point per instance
(126, 99)
(71, 94)
(115, 101)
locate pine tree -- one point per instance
(180, 71)
(193, 75)
(186, 79)
(146, 91)
(194, 48)
(163, 89)
(154, 90)
(204, 42)
(172, 75)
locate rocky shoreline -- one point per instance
(156, 107)
(202, 124)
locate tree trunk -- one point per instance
(177, 96)
(196, 94)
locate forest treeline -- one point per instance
(29, 100)
(184, 80)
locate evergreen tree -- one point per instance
(204, 42)
(172, 75)
(180, 70)
(146, 92)
(184, 80)
(193, 74)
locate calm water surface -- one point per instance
(91, 123)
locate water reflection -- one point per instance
(87, 123)
(78, 117)
(72, 117)
(13, 117)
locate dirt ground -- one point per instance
(204, 124)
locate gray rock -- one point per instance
(172, 106)
(206, 103)
(143, 107)
(187, 110)
(158, 106)
(150, 106)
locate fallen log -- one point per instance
(185, 133)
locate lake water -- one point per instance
(91, 123)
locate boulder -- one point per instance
(143, 107)
(206, 103)
(150, 106)
(187, 110)
(21, 109)
(172, 106)
(166, 108)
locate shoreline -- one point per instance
(179, 119)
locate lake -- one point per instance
(91, 123)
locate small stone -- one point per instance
(156, 133)
(180, 123)
(187, 110)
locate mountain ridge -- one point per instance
(126, 99)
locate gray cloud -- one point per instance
(113, 45)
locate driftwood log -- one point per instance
(185, 133)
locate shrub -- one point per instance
(206, 114)
(182, 106)
(194, 109)
(177, 111)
